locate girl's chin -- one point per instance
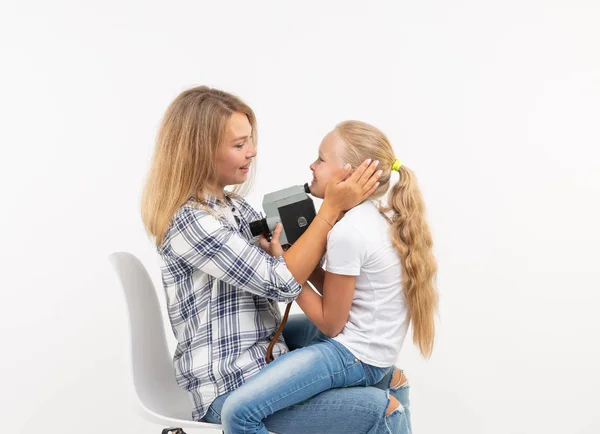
(316, 193)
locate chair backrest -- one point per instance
(151, 364)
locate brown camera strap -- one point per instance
(278, 333)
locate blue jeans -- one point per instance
(269, 401)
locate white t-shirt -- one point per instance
(360, 245)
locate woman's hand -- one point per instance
(341, 194)
(272, 247)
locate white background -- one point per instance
(494, 105)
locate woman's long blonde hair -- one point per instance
(409, 230)
(183, 164)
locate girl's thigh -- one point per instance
(299, 331)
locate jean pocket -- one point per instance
(380, 373)
(360, 382)
(356, 374)
(373, 374)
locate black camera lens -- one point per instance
(258, 227)
(307, 188)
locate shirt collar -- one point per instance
(213, 201)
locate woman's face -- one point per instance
(328, 163)
(236, 152)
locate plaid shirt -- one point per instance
(222, 293)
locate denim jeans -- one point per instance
(271, 401)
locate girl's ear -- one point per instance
(343, 173)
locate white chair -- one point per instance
(159, 398)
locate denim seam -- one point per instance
(368, 373)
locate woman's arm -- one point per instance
(200, 241)
(329, 312)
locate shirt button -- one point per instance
(355, 360)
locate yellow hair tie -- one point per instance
(397, 164)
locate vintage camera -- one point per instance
(292, 207)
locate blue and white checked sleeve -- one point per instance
(201, 241)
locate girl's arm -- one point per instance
(317, 278)
(330, 311)
(346, 253)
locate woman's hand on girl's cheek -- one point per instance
(344, 192)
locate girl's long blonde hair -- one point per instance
(183, 164)
(409, 230)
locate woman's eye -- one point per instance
(239, 145)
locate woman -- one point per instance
(222, 290)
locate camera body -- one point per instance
(292, 207)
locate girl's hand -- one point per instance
(272, 247)
(347, 189)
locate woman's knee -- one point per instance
(237, 417)
(233, 411)
(398, 379)
(393, 405)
